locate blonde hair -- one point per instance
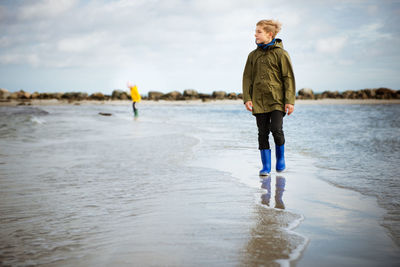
(270, 25)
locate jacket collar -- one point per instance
(275, 43)
(265, 46)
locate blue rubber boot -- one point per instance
(266, 161)
(280, 158)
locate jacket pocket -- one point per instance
(277, 93)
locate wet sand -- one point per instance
(339, 227)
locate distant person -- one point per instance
(269, 91)
(135, 98)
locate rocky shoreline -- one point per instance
(189, 94)
(377, 93)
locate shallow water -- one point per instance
(357, 147)
(82, 189)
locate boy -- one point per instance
(269, 91)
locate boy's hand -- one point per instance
(249, 105)
(289, 108)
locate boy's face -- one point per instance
(262, 37)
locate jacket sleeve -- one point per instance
(247, 84)
(288, 80)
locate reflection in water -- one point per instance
(266, 184)
(279, 188)
(280, 183)
(271, 242)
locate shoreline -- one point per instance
(340, 226)
(55, 102)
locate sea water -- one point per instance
(356, 147)
(77, 188)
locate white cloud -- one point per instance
(3, 12)
(331, 44)
(82, 43)
(346, 62)
(372, 10)
(4, 41)
(372, 31)
(45, 9)
(31, 59)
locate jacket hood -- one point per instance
(278, 43)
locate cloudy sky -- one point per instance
(166, 45)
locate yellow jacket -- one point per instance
(135, 94)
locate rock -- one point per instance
(348, 94)
(154, 95)
(306, 93)
(104, 114)
(381, 91)
(336, 94)
(44, 96)
(24, 95)
(385, 93)
(190, 94)
(35, 95)
(219, 94)
(71, 96)
(232, 96)
(14, 96)
(97, 96)
(125, 96)
(329, 94)
(360, 94)
(175, 95)
(4, 94)
(116, 94)
(204, 97)
(120, 95)
(370, 93)
(19, 95)
(81, 96)
(57, 96)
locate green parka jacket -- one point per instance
(268, 79)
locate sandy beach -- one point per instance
(179, 186)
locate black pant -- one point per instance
(270, 122)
